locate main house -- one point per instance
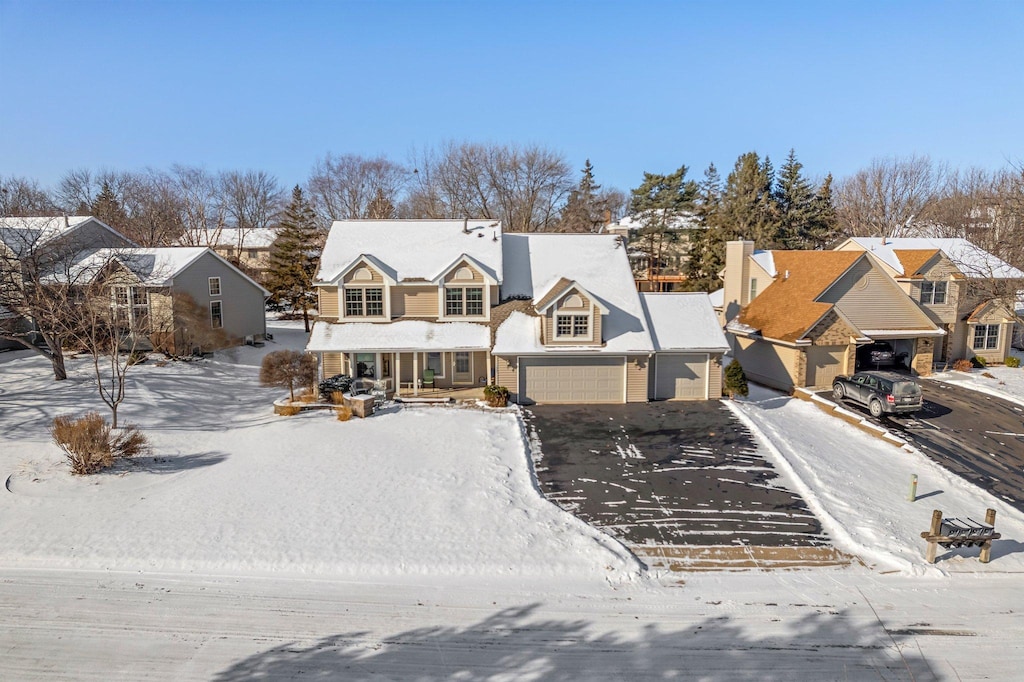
(796, 318)
(966, 291)
(458, 303)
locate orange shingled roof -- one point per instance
(914, 259)
(787, 308)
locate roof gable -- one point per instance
(466, 259)
(914, 261)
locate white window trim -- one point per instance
(442, 298)
(220, 288)
(931, 299)
(221, 304)
(974, 338)
(343, 303)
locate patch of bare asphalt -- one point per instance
(683, 484)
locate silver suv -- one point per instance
(881, 392)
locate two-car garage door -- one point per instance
(572, 380)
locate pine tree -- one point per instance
(584, 211)
(701, 273)
(824, 225)
(658, 204)
(294, 256)
(796, 204)
(107, 207)
(736, 380)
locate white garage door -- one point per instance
(572, 380)
(680, 376)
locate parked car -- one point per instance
(881, 392)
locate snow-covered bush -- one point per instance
(339, 383)
(90, 444)
(496, 396)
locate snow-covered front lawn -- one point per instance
(231, 488)
(1002, 382)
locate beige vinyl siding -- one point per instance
(330, 364)
(549, 328)
(375, 277)
(993, 355)
(328, 302)
(824, 364)
(942, 271)
(870, 300)
(506, 375)
(636, 378)
(451, 279)
(767, 363)
(416, 301)
(715, 377)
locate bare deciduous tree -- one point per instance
(351, 187)
(251, 200)
(888, 197)
(288, 369)
(21, 197)
(203, 215)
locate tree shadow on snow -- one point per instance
(172, 464)
(515, 644)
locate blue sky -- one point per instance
(634, 86)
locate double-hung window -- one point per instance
(120, 296)
(364, 302)
(464, 301)
(986, 337)
(216, 314)
(572, 326)
(214, 286)
(933, 293)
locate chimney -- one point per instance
(737, 278)
(67, 223)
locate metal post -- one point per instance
(986, 548)
(912, 495)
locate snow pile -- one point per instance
(857, 485)
(1002, 382)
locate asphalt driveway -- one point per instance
(667, 473)
(976, 436)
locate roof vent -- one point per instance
(465, 225)
(495, 237)
(479, 234)
(786, 276)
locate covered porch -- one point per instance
(411, 358)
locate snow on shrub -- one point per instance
(339, 383)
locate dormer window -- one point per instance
(933, 293)
(572, 326)
(463, 301)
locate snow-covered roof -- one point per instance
(412, 249)
(535, 262)
(683, 221)
(18, 232)
(257, 238)
(404, 335)
(973, 261)
(520, 333)
(683, 322)
(717, 297)
(766, 260)
(156, 267)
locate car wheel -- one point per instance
(838, 392)
(876, 408)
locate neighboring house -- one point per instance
(45, 243)
(668, 266)
(184, 298)
(553, 317)
(796, 318)
(965, 290)
(249, 249)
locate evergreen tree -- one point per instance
(294, 256)
(824, 225)
(749, 210)
(701, 274)
(107, 207)
(658, 204)
(797, 206)
(736, 380)
(584, 211)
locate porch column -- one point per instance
(488, 382)
(415, 374)
(398, 374)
